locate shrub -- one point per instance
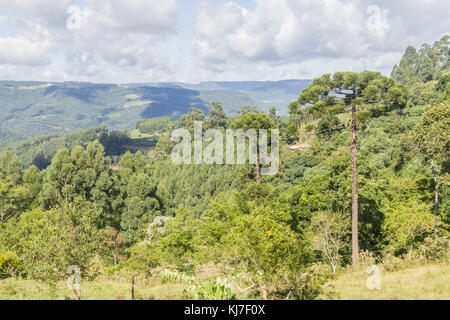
(394, 263)
(214, 289)
(310, 127)
(435, 250)
(172, 276)
(9, 264)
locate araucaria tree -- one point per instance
(367, 94)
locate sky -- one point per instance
(123, 41)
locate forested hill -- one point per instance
(283, 236)
(264, 93)
(32, 108)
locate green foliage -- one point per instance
(40, 150)
(214, 289)
(147, 214)
(423, 66)
(9, 263)
(48, 242)
(14, 199)
(251, 118)
(173, 275)
(408, 223)
(216, 117)
(154, 125)
(432, 135)
(328, 233)
(330, 94)
(291, 133)
(328, 125)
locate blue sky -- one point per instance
(193, 40)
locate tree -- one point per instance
(13, 200)
(275, 117)
(251, 118)
(32, 181)
(270, 257)
(327, 234)
(328, 94)
(11, 167)
(115, 242)
(425, 65)
(60, 175)
(216, 116)
(141, 205)
(431, 138)
(291, 133)
(297, 114)
(187, 120)
(48, 242)
(408, 222)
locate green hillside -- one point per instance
(264, 94)
(40, 150)
(361, 154)
(32, 108)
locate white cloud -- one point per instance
(23, 51)
(140, 16)
(117, 39)
(366, 34)
(279, 29)
(135, 16)
(48, 13)
(31, 48)
(144, 40)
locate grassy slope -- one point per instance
(420, 283)
(101, 289)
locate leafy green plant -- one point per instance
(214, 289)
(9, 263)
(173, 275)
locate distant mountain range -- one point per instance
(31, 108)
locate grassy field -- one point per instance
(100, 289)
(420, 283)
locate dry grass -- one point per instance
(100, 289)
(420, 283)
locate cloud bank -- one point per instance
(144, 40)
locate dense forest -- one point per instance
(62, 203)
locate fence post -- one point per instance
(132, 287)
(449, 252)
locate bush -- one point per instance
(144, 258)
(172, 276)
(9, 264)
(310, 127)
(48, 242)
(393, 263)
(214, 289)
(435, 250)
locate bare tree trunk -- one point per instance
(264, 293)
(258, 168)
(436, 202)
(355, 239)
